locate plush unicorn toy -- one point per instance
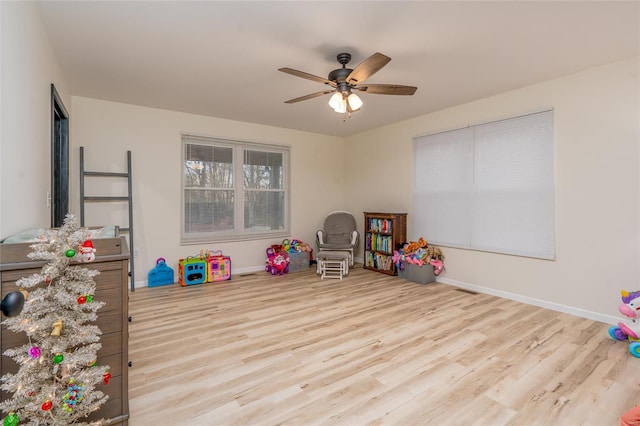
(438, 266)
(629, 329)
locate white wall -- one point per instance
(107, 130)
(596, 189)
(27, 69)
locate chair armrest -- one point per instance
(320, 237)
(355, 238)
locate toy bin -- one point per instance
(418, 274)
(192, 270)
(298, 261)
(161, 274)
(218, 268)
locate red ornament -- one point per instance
(106, 377)
(47, 405)
(47, 280)
(82, 300)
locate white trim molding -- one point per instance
(583, 313)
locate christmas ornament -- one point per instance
(47, 280)
(89, 298)
(34, 352)
(87, 252)
(106, 377)
(58, 358)
(12, 303)
(57, 328)
(82, 300)
(92, 363)
(47, 405)
(70, 253)
(11, 420)
(72, 397)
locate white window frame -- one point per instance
(239, 233)
(488, 187)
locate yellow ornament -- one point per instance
(57, 328)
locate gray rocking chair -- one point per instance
(339, 234)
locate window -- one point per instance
(233, 190)
(488, 187)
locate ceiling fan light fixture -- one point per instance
(342, 108)
(337, 102)
(344, 80)
(354, 102)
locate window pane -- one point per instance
(208, 211)
(208, 166)
(264, 210)
(263, 170)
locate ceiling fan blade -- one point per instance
(387, 89)
(307, 76)
(367, 68)
(311, 96)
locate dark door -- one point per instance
(59, 160)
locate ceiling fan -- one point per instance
(345, 80)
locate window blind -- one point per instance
(488, 187)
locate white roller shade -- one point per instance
(488, 187)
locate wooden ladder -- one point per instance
(128, 198)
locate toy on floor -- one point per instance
(208, 267)
(161, 274)
(628, 329)
(419, 253)
(631, 417)
(218, 266)
(192, 270)
(277, 260)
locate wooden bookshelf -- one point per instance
(382, 233)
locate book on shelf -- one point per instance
(380, 225)
(379, 242)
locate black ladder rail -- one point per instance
(128, 198)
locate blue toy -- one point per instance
(161, 274)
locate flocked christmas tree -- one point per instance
(57, 376)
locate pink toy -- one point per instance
(415, 260)
(438, 266)
(629, 329)
(397, 258)
(277, 260)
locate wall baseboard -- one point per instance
(583, 313)
(239, 271)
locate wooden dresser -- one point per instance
(112, 260)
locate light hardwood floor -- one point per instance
(370, 349)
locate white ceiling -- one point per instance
(221, 58)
